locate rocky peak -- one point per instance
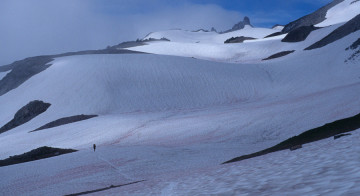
(241, 24)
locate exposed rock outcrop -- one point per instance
(312, 19)
(351, 26)
(240, 39)
(274, 34)
(240, 25)
(25, 114)
(355, 48)
(299, 34)
(354, 45)
(329, 130)
(278, 55)
(24, 69)
(64, 121)
(36, 154)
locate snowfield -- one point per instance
(138, 96)
(251, 51)
(170, 118)
(210, 37)
(326, 167)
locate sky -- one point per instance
(39, 27)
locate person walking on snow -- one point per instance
(94, 146)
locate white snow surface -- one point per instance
(341, 13)
(328, 167)
(171, 120)
(184, 36)
(251, 51)
(278, 28)
(3, 74)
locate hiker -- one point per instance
(94, 146)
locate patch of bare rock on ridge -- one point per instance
(36, 154)
(64, 121)
(240, 39)
(21, 71)
(25, 114)
(356, 48)
(337, 129)
(351, 26)
(299, 34)
(312, 19)
(278, 55)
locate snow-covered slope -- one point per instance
(144, 98)
(171, 120)
(278, 27)
(308, 171)
(341, 13)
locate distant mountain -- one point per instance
(240, 25)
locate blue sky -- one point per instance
(263, 12)
(266, 12)
(37, 27)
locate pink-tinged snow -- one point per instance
(151, 99)
(184, 36)
(3, 74)
(251, 51)
(341, 13)
(327, 167)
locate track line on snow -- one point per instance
(132, 131)
(118, 171)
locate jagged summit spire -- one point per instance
(241, 24)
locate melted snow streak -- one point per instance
(326, 131)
